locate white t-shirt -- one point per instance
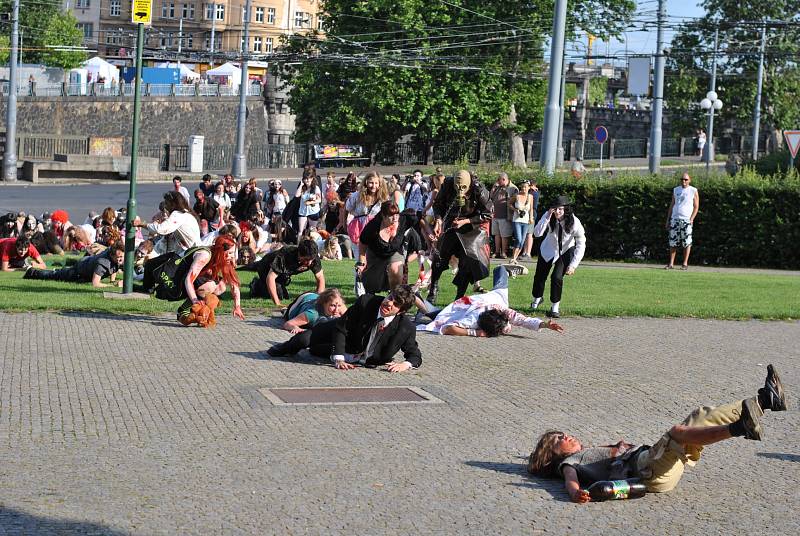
(684, 202)
(182, 230)
(308, 195)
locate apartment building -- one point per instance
(88, 14)
(189, 25)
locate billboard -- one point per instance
(639, 76)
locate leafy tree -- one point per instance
(44, 27)
(739, 23)
(435, 71)
(5, 43)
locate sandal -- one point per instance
(668, 267)
(684, 267)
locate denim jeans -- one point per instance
(520, 232)
(499, 278)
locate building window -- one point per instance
(260, 15)
(189, 41)
(270, 15)
(187, 12)
(166, 40)
(220, 11)
(83, 4)
(268, 45)
(319, 23)
(86, 28)
(257, 44)
(209, 11)
(168, 10)
(114, 10)
(299, 19)
(217, 41)
(113, 37)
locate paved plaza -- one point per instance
(136, 425)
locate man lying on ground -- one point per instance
(91, 269)
(481, 315)
(370, 333)
(660, 466)
(15, 251)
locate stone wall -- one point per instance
(163, 119)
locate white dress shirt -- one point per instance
(549, 248)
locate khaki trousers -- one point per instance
(662, 466)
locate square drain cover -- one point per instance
(305, 396)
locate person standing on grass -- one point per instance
(680, 219)
(561, 249)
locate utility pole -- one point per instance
(10, 156)
(550, 131)
(560, 147)
(713, 89)
(757, 110)
(239, 169)
(584, 110)
(658, 94)
(180, 42)
(130, 230)
(213, 32)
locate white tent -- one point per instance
(97, 67)
(226, 74)
(185, 71)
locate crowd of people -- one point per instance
(190, 252)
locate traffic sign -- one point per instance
(792, 138)
(141, 11)
(601, 134)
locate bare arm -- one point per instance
(573, 487)
(459, 331)
(96, 281)
(295, 324)
(39, 263)
(320, 281)
(4, 266)
(199, 261)
(669, 210)
(271, 288)
(696, 207)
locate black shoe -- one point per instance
(772, 394)
(751, 412)
(279, 350)
(29, 273)
(433, 292)
(552, 314)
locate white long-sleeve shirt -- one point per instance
(182, 230)
(549, 248)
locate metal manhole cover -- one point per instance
(304, 396)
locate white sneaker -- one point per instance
(536, 303)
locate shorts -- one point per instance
(503, 228)
(680, 233)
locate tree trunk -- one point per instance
(517, 149)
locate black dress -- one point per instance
(381, 253)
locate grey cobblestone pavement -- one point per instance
(135, 425)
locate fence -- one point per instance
(43, 147)
(126, 90)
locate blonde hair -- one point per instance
(545, 458)
(381, 195)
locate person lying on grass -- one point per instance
(481, 315)
(661, 466)
(89, 269)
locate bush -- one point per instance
(748, 220)
(777, 162)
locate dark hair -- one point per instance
(403, 297)
(389, 208)
(417, 171)
(493, 322)
(175, 201)
(177, 178)
(206, 177)
(23, 242)
(569, 220)
(307, 249)
(544, 460)
(119, 245)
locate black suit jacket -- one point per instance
(350, 334)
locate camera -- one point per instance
(522, 213)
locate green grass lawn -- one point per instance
(591, 292)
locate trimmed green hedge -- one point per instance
(749, 220)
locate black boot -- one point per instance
(433, 292)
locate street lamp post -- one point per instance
(712, 104)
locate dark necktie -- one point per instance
(560, 237)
